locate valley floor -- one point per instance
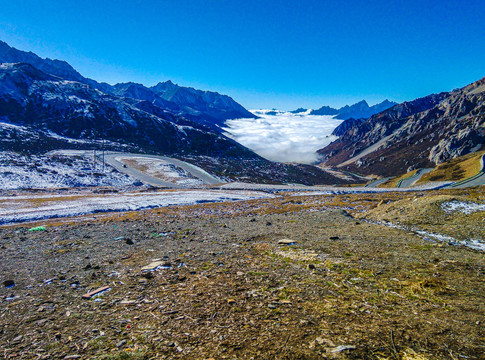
(226, 287)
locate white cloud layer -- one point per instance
(284, 137)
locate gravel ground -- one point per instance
(228, 288)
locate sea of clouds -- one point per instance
(283, 136)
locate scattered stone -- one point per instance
(268, 223)
(128, 302)
(9, 284)
(148, 275)
(121, 343)
(155, 265)
(334, 238)
(17, 339)
(129, 242)
(231, 301)
(311, 266)
(287, 242)
(341, 348)
(272, 306)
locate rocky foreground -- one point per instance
(294, 277)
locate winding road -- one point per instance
(110, 159)
(206, 178)
(410, 181)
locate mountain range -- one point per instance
(360, 110)
(415, 134)
(46, 104)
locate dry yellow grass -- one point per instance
(457, 169)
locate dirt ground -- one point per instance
(228, 288)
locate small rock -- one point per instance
(121, 343)
(334, 238)
(231, 301)
(129, 242)
(311, 266)
(271, 306)
(128, 302)
(171, 344)
(148, 275)
(341, 348)
(9, 284)
(18, 339)
(58, 336)
(268, 223)
(286, 242)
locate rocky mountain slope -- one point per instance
(36, 100)
(205, 107)
(357, 111)
(420, 133)
(42, 111)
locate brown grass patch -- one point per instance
(457, 169)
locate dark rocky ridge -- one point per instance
(357, 111)
(419, 133)
(43, 102)
(204, 107)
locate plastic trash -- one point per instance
(37, 228)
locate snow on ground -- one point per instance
(471, 243)
(462, 206)
(21, 209)
(160, 169)
(46, 172)
(283, 136)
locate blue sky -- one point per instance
(279, 53)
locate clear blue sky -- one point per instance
(278, 53)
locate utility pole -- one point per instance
(104, 137)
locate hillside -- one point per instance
(420, 133)
(43, 102)
(206, 107)
(40, 112)
(217, 281)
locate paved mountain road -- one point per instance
(410, 181)
(110, 159)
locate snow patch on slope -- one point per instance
(46, 172)
(21, 209)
